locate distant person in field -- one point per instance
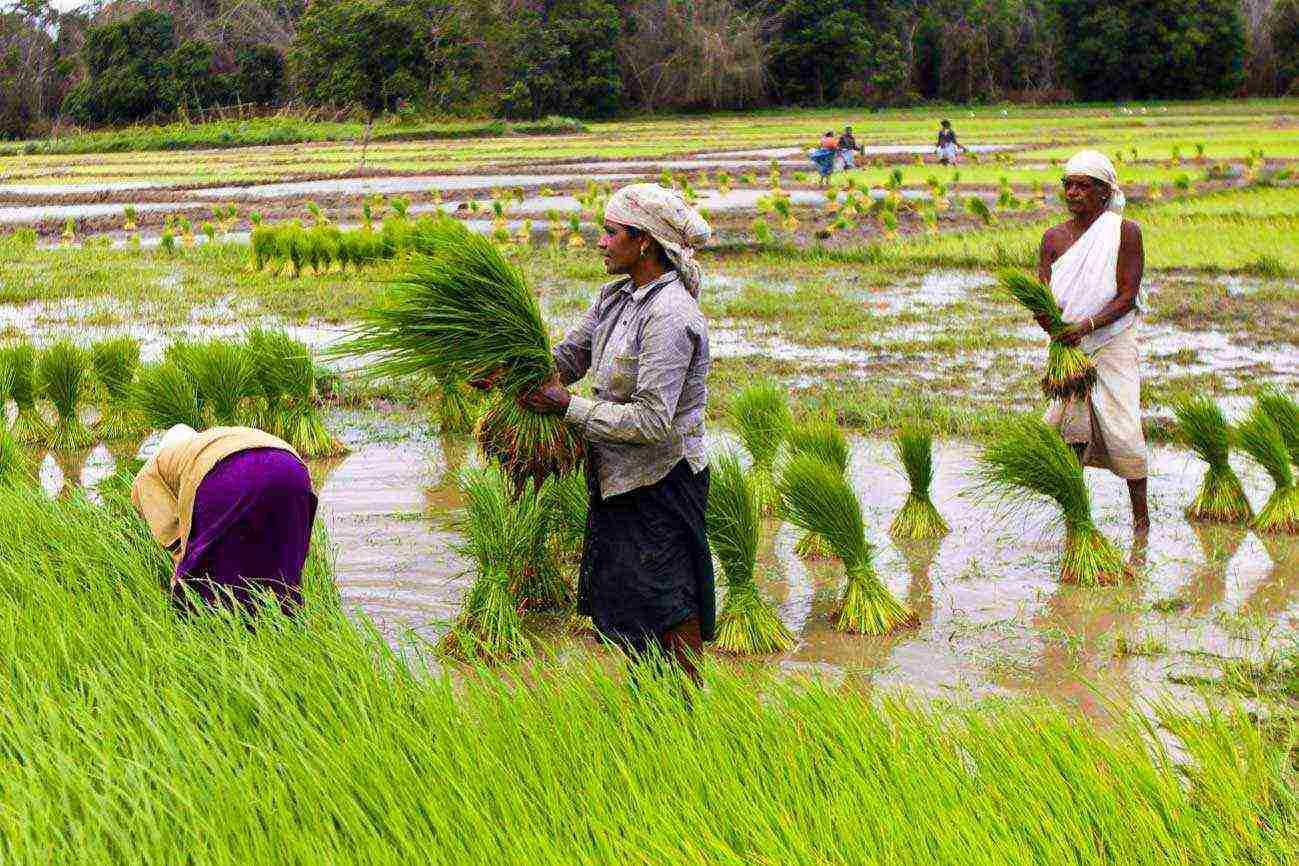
(234, 508)
(948, 147)
(1094, 264)
(848, 148)
(824, 156)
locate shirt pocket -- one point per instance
(622, 377)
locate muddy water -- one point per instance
(401, 184)
(994, 619)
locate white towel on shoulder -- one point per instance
(1085, 279)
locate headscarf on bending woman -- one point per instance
(666, 216)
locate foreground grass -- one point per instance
(131, 735)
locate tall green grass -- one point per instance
(134, 735)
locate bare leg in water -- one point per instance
(1136, 492)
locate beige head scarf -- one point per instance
(1093, 163)
(678, 227)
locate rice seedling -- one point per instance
(29, 427)
(1203, 428)
(467, 313)
(1029, 461)
(822, 437)
(222, 375)
(748, 624)
(816, 497)
(457, 412)
(165, 395)
(167, 242)
(116, 362)
(1285, 412)
(16, 467)
(919, 518)
(1262, 439)
(1069, 372)
(760, 413)
(128, 218)
(265, 246)
(62, 371)
(285, 375)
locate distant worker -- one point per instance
(234, 508)
(824, 156)
(948, 147)
(848, 148)
(1094, 264)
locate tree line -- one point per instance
(133, 60)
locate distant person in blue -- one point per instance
(824, 156)
(948, 147)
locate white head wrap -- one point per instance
(1093, 163)
(177, 435)
(678, 227)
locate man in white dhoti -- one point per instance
(1094, 264)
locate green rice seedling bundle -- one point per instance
(16, 466)
(63, 373)
(762, 419)
(1069, 372)
(822, 437)
(748, 624)
(1202, 427)
(29, 427)
(116, 362)
(1285, 412)
(222, 375)
(463, 314)
(286, 376)
(265, 246)
(1029, 461)
(165, 395)
(291, 243)
(977, 206)
(457, 412)
(816, 497)
(1262, 439)
(919, 518)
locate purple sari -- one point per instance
(250, 531)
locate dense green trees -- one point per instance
(1144, 49)
(565, 62)
(1284, 27)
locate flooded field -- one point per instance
(994, 619)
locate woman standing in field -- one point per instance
(234, 507)
(948, 147)
(647, 573)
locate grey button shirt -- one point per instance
(647, 349)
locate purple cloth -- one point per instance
(250, 532)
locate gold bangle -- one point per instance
(1091, 324)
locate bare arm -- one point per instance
(1046, 256)
(1132, 264)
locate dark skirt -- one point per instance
(646, 566)
(250, 532)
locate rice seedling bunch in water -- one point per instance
(16, 467)
(816, 497)
(822, 437)
(457, 412)
(465, 313)
(1202, 427)
(288, 371)
(264, 387)
(164, 394)
(919, 518)
(495, 540)
(63, 373)
(223, 375)
(1028, 456)
(1261, 438)
(1069, 372)
(1285, 412)
(116, 362)
(748, 624)
(762, 419)
(29, 427)
(265, 247)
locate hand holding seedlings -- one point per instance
(1072, 335)
(548, 398)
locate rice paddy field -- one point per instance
(1015, 718)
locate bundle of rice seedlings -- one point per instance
(919, 517)
(1261, 438)
(290, 372)
(264, 242)
(1030, 457)
(748, 624)
(497, 537)
(1285, 412)
(816, 497)
(115, 362)
(29, 427)
(164, 395)
(762, 419)
(222, 375)
(821, 437)
(463, 314)
(1069, 372)
(1202, 427)
(62, 371)
(264, 385)
(16, 467)
(456, 411)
